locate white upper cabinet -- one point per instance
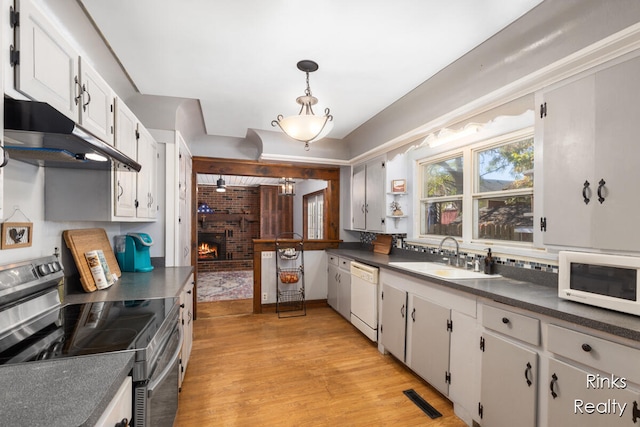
(590, 160)
(126, 125)
(367, 196)
(97, 99)
(47, 68)
(568, 162)
(147, 183)
(358, 197)
(46, 65)
(371, 196)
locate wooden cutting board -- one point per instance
(382, 244)
(85, 240)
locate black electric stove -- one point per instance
(92, 328)
(34, 325)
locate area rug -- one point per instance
(225, 285)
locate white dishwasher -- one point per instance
(364, 299)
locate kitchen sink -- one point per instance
(442, 271)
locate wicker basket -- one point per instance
(289, 275)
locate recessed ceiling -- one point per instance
(239, 57)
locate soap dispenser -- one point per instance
(489, 263)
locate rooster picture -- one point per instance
(17, 235)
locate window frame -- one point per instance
(422, 163)
(470, 190)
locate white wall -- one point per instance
(24, 189)
(550, 32)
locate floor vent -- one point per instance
(422, 404)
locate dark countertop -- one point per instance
(76, 391)
(158, 283)
(68, 392)
(538, 295)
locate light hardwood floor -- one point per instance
(317, 370)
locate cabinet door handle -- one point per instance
(413, 314)
(554, 380)
(586, 347)
(505, 320)
(366, 208)
(402, 310)
(123, 423)
(362, 208)
(120, 190)
(585, 188)
(601, 184)
(77, 96)
(527, 371)
(84, 90)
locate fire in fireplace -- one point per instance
(212, 246)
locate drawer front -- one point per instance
(345, 263)
(604, 355)
(515, 325)
(333, 259)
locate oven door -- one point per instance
(156, 400)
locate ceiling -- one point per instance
(238, 58)
(236, 181)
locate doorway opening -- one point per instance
(227, 223)
(267, 218)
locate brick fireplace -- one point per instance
(225, 236)
(212, 246)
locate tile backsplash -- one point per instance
(509, 260)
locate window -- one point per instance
(493, 180)
(314, 215)
(441, 201)
(503, 196)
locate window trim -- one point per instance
(470, 193)
(450, 155)
(305, 213)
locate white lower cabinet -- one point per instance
(503, 366)
(120, 408)
(428, 336)
(509, 385)
(393, 328)
(581, 398)
(339, 285)
(186, 319)
(434, 331)
(596, 385)
(464, 366)
(333, 273)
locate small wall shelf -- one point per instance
(391, 193)
(396, 218)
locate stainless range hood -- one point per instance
(37, 133)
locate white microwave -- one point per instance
(603, 280)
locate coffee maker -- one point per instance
(135, 257)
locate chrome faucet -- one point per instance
(457, 249)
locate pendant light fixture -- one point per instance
(287, 187)
(306, 126)
(220, 186)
